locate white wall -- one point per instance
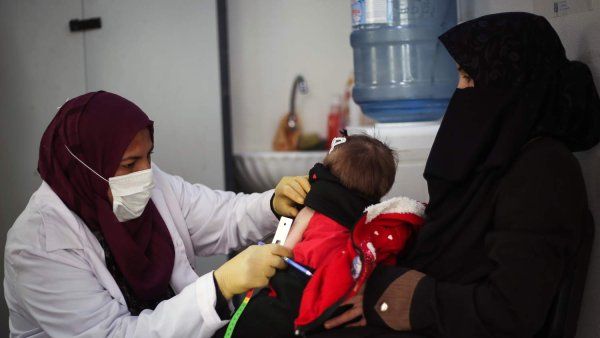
(164, 56)
(580, 34)
(270, 42)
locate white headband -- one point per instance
(336, 142)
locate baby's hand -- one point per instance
(356, 311)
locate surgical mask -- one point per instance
(130, 192)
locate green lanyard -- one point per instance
(238, 314)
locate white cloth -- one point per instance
(56, 282)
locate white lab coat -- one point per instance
(56, 282)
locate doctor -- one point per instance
(106, 244)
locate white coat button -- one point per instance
(383, 307)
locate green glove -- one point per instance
(289, 193)
(250, 269)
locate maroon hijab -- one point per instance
(98, 127)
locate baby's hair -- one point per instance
(365, 164)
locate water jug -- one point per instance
(402, 71)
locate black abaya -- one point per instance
(508, 207)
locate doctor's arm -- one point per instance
(62, 294)
(220, 221)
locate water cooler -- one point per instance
(404, 78)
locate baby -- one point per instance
(340, 235)
(356, 173)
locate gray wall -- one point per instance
(162, 55)
(33, 82)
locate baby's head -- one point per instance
(364, 164)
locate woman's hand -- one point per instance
(250, 269)
(389, 296)
(289, 193)
(354, 312)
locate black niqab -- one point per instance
(525, 88)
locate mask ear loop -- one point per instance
(80, 161)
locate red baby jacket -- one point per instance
(343, 259)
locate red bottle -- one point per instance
(335, 121)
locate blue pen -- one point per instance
(294, 264)
(297, 266)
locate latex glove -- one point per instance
(354, 312)
(289, 193)
(250, 269)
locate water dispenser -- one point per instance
(402, 72)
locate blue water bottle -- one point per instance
(402, 72)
